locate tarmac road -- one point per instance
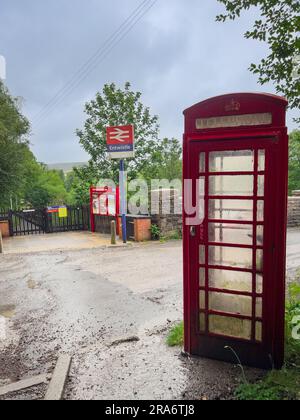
(111, 309)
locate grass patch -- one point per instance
(155, 232)
(157, 235)
(175, 235)
(175, 338)
(276, 386)
(283, 384)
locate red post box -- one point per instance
(235, 218)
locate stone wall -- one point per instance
(294, 210)
(166, 203)
(168, 224)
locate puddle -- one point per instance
(7, 311)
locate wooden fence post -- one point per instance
(113, 233)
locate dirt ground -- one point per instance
(56, 241)
(111, 309)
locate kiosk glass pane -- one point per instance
(261, 160)
(202, 304)
(259, 308)
(259, 260)
(230, 234)
(260, 211)
(230, 257)
(202, 166)
(259, 284)
(230, 327)
(260, 235)
(231, 210)
(231, 185)
(231, 161)
(230, 280)
(261, 186)
(258, 331)
(231, 304)
(202, 319)
(202, 277)
(202, 254)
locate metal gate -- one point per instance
(34, 222)
(26, 222)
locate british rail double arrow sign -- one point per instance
(120, 142)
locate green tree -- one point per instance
(23, 180)
(279, 27)
(14, 128)
(115, 107)
(46, 188)
(166, 162)
(83, 179)
(294, 170)
(154, 158)
(69, 180)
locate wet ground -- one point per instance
(56, 241)
(111, 309)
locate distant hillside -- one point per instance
(66, 167)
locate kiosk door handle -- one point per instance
(193, 231)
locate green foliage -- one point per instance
(292, 311)
(294, 169)
(278, 385)
(14, 150)
(24, 181)
(279, 27)
(176, 336)
(47, 187)
(154, 159)
(155, 232)
(283, 384)
(115, 107)
(166, 162)
(175, 235)
(83, 179)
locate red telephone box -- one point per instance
(104, 201)
(236, 158)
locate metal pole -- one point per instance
(123, 200)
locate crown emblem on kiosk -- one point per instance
(233, 105)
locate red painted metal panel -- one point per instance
(97, 193)
(272, 138)
(120, 135)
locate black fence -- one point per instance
(40, 221)
(78, 218)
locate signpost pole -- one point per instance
(120, 145)
(123, 200)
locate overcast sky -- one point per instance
(176, 55)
